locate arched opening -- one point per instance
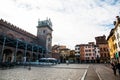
(0, 30)
(27, 56)
(22, 39)
(34, 57)
(11, 35)
(19, 56)
(39, 56)
(7, 55)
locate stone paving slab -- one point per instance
(91, 74)
(41, 73)
(72, 66)
(106, 73)
(60, 72)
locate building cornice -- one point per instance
(15, 28)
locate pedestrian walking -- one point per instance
(118, 67)
(67, 62)
(29, 66)
(113, 64)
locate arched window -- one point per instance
(22, 39)
(10, 35)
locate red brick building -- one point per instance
(87, 52)
(101, 42)
(17, 45)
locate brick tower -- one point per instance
(44, 34)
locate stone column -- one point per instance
(15, 51)
(12, 60)
(4, 56)
(25, 52)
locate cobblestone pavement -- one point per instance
(57, 72)
(105, 72)
(91, 74)
(61, 72)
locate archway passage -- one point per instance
(19, 56)
(39, 56)
(34, 57)
(7, 55)
(27, 57)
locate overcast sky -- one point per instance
(74, 21)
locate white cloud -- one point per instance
(74, 21)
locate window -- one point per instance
(92, 58)
(100, 49)
(101, 54)
(86, 50)
(87, 58)
(11, 35)
(104, 49)
(95, 52)
(49, 39)
(89, 50)
(44, 31)
(75, 48)
(89, 46)
(105, 55)
(89, 54)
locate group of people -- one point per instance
(115, 67)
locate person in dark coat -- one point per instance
(118, 67)
(113, 67)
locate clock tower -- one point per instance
(44, 34)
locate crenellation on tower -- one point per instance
(45, 23)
